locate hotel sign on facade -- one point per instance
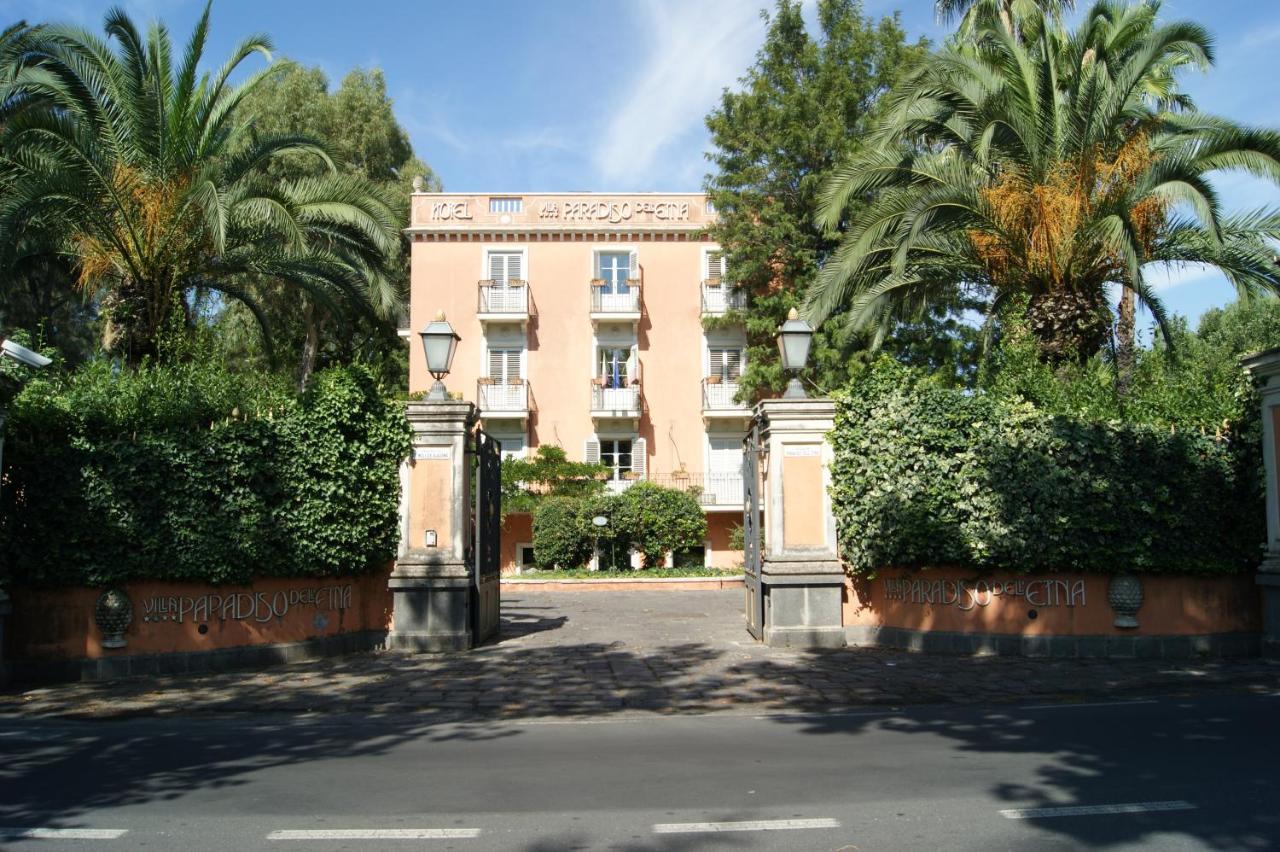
(550, 210)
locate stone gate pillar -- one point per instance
(432, 582)
(801, 578)
(1265, 367)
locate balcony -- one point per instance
(612, 306)
(620, 402)
(503, 400)
(503, 302)
(714, 491)
(720, 297)
(718, 399)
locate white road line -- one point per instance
(376, 834)
(1088, 704)
(63, 833)
(749, 825)
(1097, 810)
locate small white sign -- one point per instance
(802, 451)
(433, 453)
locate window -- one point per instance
(725, 362)
(616, 366)
(524, 557)
(512, 446)
(506, 205)
(709, 206)
(504, 266)
(504, 365)
(615, 267)
(616, 454)
(715, 265)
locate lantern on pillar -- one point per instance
(794, 337)
(439, 342)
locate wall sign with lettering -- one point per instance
(967, 594)
(244, 606)
(432, 453)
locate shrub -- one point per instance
(660, 520)
(191, 472)
(558, 540)
(929, 476)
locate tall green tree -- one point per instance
(361, 133)
(1044, 170)
(149, 176)
(797, 113)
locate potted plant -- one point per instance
(714, 379)
(516, 282)
(713, 282)
(598, 283)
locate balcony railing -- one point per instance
(606, 302)
(718, 396)
(720, 297)
(617, 486)
(606, 399)
(722, 490)
(495, 397)
(509, 299)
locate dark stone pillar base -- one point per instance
(432, 609)
(803, 605)
(1270, 585)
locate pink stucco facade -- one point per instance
(582, 325)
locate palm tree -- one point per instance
(1044, 169)
(148, 179)
(1012, 15)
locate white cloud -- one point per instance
(688, 53)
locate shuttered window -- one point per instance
(504, 364)
(725, 362)
(505, 265)
(506, 205)
(620, 455)
(715, 264)
(512, 445)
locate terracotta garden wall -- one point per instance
(958, 611)
(53, 634)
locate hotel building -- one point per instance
(582, 324)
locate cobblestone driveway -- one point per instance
(589, 654)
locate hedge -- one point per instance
(927, 476)
(189, 472)
(651, 519)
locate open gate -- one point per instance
(752, 556)
(487, 545)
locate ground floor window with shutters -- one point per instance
(625, 457)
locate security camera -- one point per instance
(24, 355)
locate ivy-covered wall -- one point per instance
(190, 472)
(928, 476)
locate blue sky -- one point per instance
(564, 95)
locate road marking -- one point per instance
(749, 825)
(1088, 704)
(63, 833)
(1097, 810)
(376, 834)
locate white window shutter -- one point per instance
(639, 458)
(715, 264)
(513, 365)
(592, 452)
(513, 265)
(715, 366)
(497, 271)
(496, 357)
(733, 364)
(635, 265)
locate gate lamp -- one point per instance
(794, 337)
(439, 342)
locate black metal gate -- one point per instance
(487, 545)
(752, 557)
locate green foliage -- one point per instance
(800, 110)
(660, 520)
(928, 476)
(188, 471)
(526, 482)
(558, 537)
(648, 518)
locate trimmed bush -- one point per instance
(926, 476)
(190, 472)
(649, 518)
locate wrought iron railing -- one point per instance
(720, 297)
(606, 300)
(605, 398)
(495, 395)
(719, 395)
(509, 297)
(710, 489)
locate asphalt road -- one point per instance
(1166, 774)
